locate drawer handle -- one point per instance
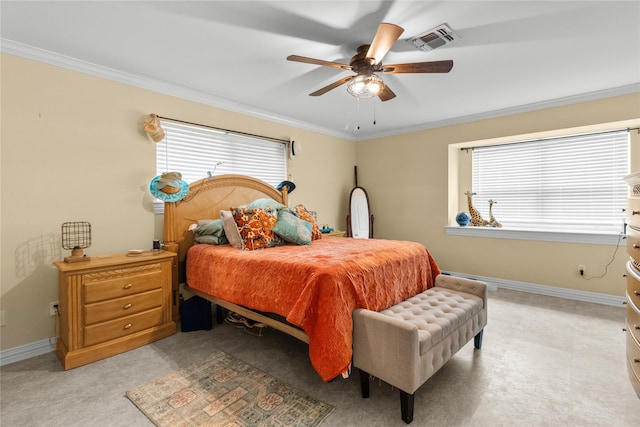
(128, 326)
(127, 306)
(128, 286)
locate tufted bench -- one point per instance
(406, 344)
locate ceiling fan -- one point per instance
(368, 61)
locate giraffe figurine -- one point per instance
(476, 218)
(492, 221)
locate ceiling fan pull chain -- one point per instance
(358, 115)
(374, 113)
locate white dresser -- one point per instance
(633, 281)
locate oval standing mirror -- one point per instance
(360, 220)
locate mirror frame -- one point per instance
(349, 215)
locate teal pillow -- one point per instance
(210, 239)
(210, 228)
(292, 229)
(265, 203)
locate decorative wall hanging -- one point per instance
(290, 186)
(152, 127)
(169, 187)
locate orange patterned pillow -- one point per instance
(302, 213)
(254, 226)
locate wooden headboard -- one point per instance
(205, 200)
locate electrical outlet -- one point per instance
(582, 270)
(53, 308)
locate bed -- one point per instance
(307, 291)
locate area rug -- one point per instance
(225, 391)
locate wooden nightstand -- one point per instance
(113, 303)
(335, 233)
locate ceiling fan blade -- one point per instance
(385, 37)
(419, 67)
(386, 94)
(331, 86)
(306, 60)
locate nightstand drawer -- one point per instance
(100, 287)
(633, 354)
(112, 309)
(633, 322)
(633, 211)
(633, 243)
(117, 328)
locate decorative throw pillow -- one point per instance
(254, 226)
(230, 229)
(210, 239)
(213, 227)
(292, 229)
(302, 213)
(210, 232)
(265, 203)
(204, 221)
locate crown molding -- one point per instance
(144, 82)
(559, 102)
(51, 58)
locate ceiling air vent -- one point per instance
(434, 38)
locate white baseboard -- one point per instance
(27, 351)
(45, 346)
(552, 291)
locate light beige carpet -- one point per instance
(225, 391)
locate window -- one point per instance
(569, 184)
(196, 151)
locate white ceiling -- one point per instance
(513, 55)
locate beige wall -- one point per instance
(73, 150)
(414, 196)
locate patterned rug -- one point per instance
(225, 391)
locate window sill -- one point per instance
(547, 236)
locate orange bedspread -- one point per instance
(316, 287)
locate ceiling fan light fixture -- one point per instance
(365, 86)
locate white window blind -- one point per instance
(561, 184)
(196, 150)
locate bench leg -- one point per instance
(406, 406)
(364, 383)
(477, 340)
(219, 314)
